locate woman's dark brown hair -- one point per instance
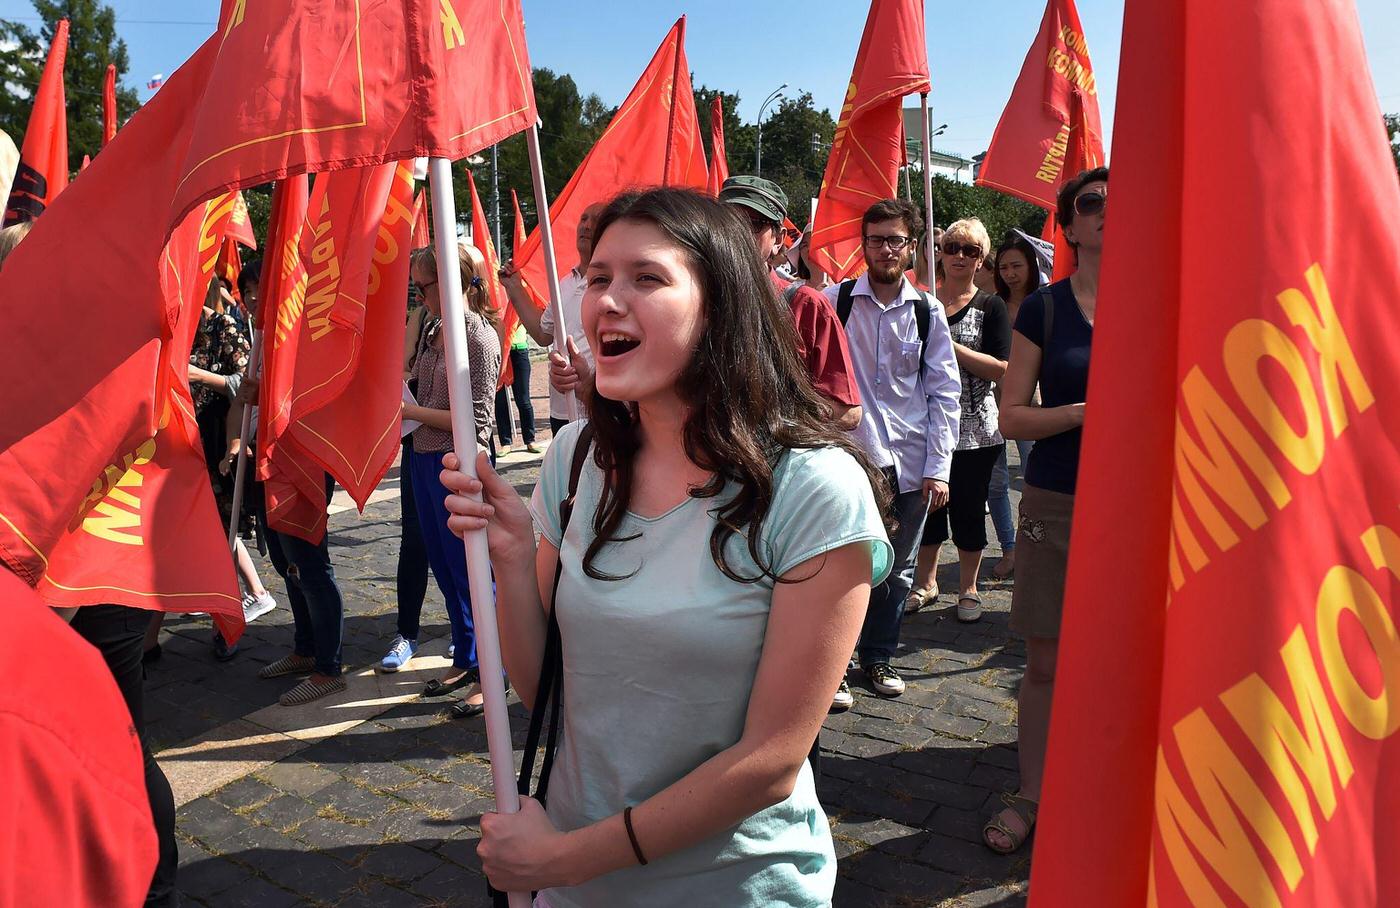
(747, 395)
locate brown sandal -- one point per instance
(1024, 810)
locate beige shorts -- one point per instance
(1042, 554)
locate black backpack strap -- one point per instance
(551, 680)
(549, 691)
(923, 318)
(844, 300)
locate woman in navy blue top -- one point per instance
(1049, 346)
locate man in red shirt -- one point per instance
(823, 342)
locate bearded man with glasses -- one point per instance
(907, 373)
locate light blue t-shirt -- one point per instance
(659, 667)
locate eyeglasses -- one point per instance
(423, 287)
(894, 242)
(1090, 203)
(967, 249)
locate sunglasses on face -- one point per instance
(1090, 203)
(758, 223)
(967, 249)
(894, 242)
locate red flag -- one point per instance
(1249, 732)
(229, 264)
(869, 147)
(719, 160)
(240, 227)
(422, 222)
(481, 238)
(275, 92)
(654, 139)
(295, 490)
(43, 160)
(333, 84)
(1030, 155)
(109, 105)
(347, 409)
(517, 244)
(1079, 158)
(518, 240)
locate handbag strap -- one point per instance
(551, 681)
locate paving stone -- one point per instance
(256, 893)
(958, 824)
(209, 875)
(971, 859)
(453, 885)
(882, 833)
(298, 777)
(285, 812)
(371, 894)
(345, 799)
(998, 734)
(310, 874)
(324, 834)
(852, 894)
(246, 792)
(380, 775)
(209, 822)
(400, 862)
(895, 875)
(899, 807)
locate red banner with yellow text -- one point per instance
(1054, 104)
(868, 149)
(1226, 727)
(353, 430)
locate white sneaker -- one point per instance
(843, 700)
(254, 607)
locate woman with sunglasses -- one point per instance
(1050, 346)
(714, 577)
(434, 438)
(981, 342)
(1017, 277)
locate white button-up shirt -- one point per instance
(910, 419)
(571, 287)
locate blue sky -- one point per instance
(975, 50)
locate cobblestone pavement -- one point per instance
(373, 797)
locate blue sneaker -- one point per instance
(399, 653)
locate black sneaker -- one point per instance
(222, 651)
(843, 700)
(884, 679)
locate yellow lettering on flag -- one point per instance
(114, 509)
(452, 34)
(235, 19)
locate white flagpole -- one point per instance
(928, 190)
(459, 387)
(561, 329)
(240, 473)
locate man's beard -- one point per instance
(885, 273)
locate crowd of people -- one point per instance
(781, 455)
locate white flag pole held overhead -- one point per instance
(551, 268)
(488, 641)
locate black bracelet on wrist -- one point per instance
(632, 836)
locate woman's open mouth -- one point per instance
(613, 344)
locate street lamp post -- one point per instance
(758, 154)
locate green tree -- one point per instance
(92, 44)
(571, 123)
(953, 200)
(1392, 130)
